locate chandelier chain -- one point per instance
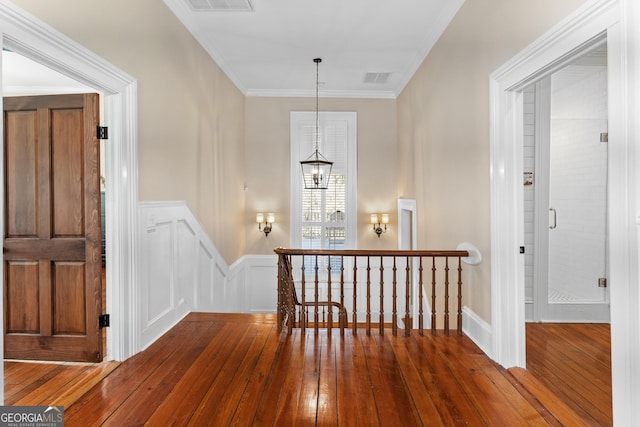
(317, 61)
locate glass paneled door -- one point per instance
(571, 277)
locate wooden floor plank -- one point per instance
(447, 393)
(309, 381)
(392, 400)
(526, 411)
(96, 406)
(49, 384)
(248, 404)
(65, 388)
(274, 387)
(565, 414)
(292, 401)
(356, 401)
(477, 387)
(27, 376)
(185, 397)
(569, 377)
(221, 400)
(217, 369)
(328, 381)
(155, 388)
(419, 391)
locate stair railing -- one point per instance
(318, 287)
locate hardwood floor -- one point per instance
(225, 369)
(574, 362)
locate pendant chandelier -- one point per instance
(316, 169)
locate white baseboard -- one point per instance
(477, 330)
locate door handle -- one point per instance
(553, 224)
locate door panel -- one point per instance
(52, 246)
(21, 284)
(21, 173)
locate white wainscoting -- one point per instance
(181, 271)
(252, 287)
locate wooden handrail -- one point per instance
(294, 312)
(373, 252)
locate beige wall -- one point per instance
(267, 166)
(201, 140)
(191, 128)
(443, 126)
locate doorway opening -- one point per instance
(29, 37)
(565, 165)
(29, 80)
(408, 240)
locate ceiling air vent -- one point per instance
(371, 77)
(221, 5)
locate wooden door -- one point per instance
(52, 242)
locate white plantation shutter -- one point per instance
(324, 219)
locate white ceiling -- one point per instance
(22, 76)
(269, 51)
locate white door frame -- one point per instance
(616, 18)
(410, 241)
(28, 36)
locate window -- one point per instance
(324, 219)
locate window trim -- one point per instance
(296, 175)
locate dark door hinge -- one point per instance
(103, 320)
(521, 249)
(103, 132)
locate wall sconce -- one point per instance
(271, 218)
(378, 220)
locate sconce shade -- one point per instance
(378, 221)
(265, 226)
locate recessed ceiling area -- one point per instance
(269, 50)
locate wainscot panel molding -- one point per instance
(252, 285)
(180, 268)
(182, 271)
